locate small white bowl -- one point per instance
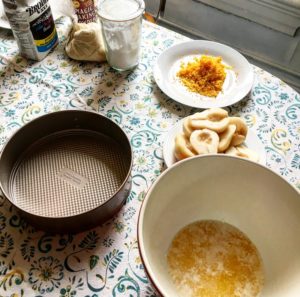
(242, 193)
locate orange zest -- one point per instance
(205, 75)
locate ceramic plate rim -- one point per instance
(168, 146)
(240, 91)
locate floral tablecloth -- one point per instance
(105, 261)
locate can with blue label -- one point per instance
(33, 27)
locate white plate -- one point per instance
(252, 142)
(238, 82)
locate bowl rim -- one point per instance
(147, 267)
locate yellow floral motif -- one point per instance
(15, 81)
(82, 79)
(11, 273)
(75, 69)
(164, 125)
(17, 95)
(50, 62)
(56, 108)
(152, 113)
(140, 105)
(280, 141)
(7, 278)
(138, 260)
(12, 97)
(64, 64)
(20, 61)
(30, 113)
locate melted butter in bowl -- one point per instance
(216, 259)
(210, 258)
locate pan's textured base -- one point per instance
(68, 174)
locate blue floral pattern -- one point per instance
(45, 274)
(105, 261)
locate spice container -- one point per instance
(85, 10)
(121, 27)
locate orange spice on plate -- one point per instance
(204, 75)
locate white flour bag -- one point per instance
(33, 26)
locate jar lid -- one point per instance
(120, 10)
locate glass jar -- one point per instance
(121, 22)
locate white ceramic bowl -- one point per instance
(242, 193)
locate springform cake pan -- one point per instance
(67, 171)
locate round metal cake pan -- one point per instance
(67, 171)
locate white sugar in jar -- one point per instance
(121, 28)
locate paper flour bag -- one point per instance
(33, 26)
